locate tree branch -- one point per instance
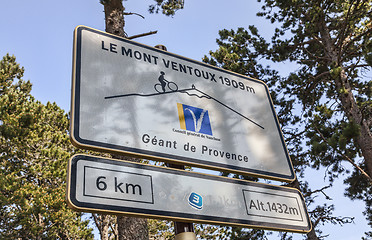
(345, 26)
(320, 75)
(347, 158)
(356, 38)
(325, 215)
(303, 43)
(316, 57)
(130, 13)
(97, 222)
(356, 66)
(315, 81)
(322, 191)
(142, 35)
(114, 229)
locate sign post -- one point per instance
(140, 190)
(182, 230)
(137, 100)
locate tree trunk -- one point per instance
(102, 222)
(114, 17)
(132, 228)
(128, 227)
(348, 102)
(352, 110)
(312, 234)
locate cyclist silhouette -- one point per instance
(162, 80)
(160, 88)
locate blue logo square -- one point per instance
(194, 119)
(196, 200)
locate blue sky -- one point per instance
(40, 34)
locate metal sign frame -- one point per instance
(276, 168)
(254, 201)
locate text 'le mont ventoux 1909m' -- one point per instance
(174, 66)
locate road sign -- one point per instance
(138, 100)
(120, 187)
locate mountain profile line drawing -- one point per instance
(191, 92)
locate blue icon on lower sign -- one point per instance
(196, 200)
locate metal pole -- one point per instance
(183, 230)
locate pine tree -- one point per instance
(34, 151)
(325, 105)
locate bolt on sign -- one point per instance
(121, 187)
(133, 99)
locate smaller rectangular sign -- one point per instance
(120, 187)
(285, 207)
(112, 184)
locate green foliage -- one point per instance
(34, 151)
(331, 43)
(160, 229)
(241, 234)
(336, 36)
(324, 106)
(167, 7)
(209, 232)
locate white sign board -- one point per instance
(138, 100)
(119, 187)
